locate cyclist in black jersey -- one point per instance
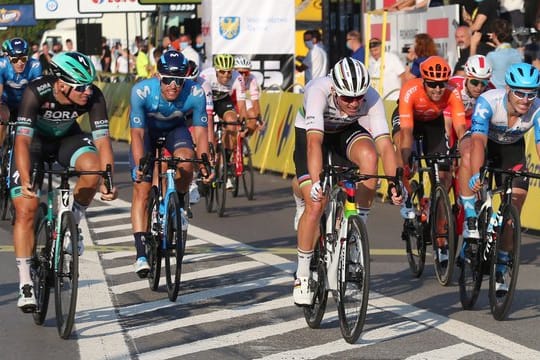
(47, 127)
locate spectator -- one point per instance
(200, 47)
(45, 57)
(466, 7)
(485, 12)
(187, 50)
(423, 47)
(56, 48)
(393, 70)
(125, 64)
(315, 64)
(512, 10)
(406, 5)
(35, 51)
(463, 42)
(354, 43)
(504, 54)
(142, 62)
(69, 45)
(166, 43)
(174, 34)
(106, 57)
(531, 51)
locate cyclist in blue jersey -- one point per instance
(500, 120)
(47, 128)
(16, 71)
(158, 109)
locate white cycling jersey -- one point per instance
(490, 117)
(320, 111)
(220, 91)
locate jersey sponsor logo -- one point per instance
(60, 115)
(229, 26)
(204, 119)
(144, 92)
(136, 120)
(409, 93)
(197, 91)
(480, 111)
(101, 123)
(43, 88)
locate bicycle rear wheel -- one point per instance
(500, 301)
(209, 197)
(222, 173)
(153, 239)
(4, 191)
(353, 282)
(248, 176)
(175, 246)
(443, 227)
(413, 234)
(66, 275)
(314, 313)
(40, 270)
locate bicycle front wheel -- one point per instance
(4, 191)
(40, 269)
(413, 234)
(175, 246)
(504, 271)
(353, 282)
(248, 176)
(222, 173)
(66, 275)
(153, 239)
(443, 236)
(209, 197)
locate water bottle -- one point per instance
(350, 202)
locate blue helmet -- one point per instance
(523, 76)
(173, 63)
(16, 47)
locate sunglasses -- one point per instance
(16, 59)
(350, 99)
(521, 95)
(476, 82)
(374, 44)
(244, 72)
(80, 88)
(223, 72)
(435, 84)
(168, 80)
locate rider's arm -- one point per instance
(99, 125)
(314, 154)
(479, 129)
(25, 131)
(406, 114)
(137, 121)
(458, 113)
(239, 87)
(197, 102)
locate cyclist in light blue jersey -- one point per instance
(158, 109)
(500, 120)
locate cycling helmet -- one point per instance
(73, 68)
(241, 62)
(522, 76)
(16, 47)
(5, 46)
(193, 70)
(478, 67)
(173, 63)
(435, 68)
(350, 77)
(223, 61)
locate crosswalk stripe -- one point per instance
(108, 217)
(120, 254)
(115, 240)
(456, 351)
(226, 314)
(149, 306)
(206, 273)
(113, 207)
(111, 228)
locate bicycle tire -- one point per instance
(442, 213)
(248, 175)
(40, 270)
(66, 280)
(174, 240)
(153, 239)
(314, 313)
(222, 173)
(209, 197)
(500, 304)
(353, 282)
(4, 173)
(413, 234)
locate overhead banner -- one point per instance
(17, 15)
(167, 2)
(111, 6)
(263, 30)
(439, 22)
(59, 9)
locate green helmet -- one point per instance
(73, 68)
(5, 46)
(223, 61)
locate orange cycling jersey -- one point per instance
(415, 105)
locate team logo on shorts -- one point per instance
(229, 26)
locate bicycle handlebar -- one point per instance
(147, 160)
(67, 173)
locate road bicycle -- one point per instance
(481, 257)
(54, 262)
(167, 220)
(433, 220)
(236, 167)
(6, 206)
(341, 258)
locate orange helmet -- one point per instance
(435, 68)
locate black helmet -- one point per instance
(173, 63)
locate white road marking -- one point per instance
(120, 254)
(111, 228)
(452, 352)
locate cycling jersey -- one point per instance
(415, 105)
(250, 85)
(149, 109)
(490, 118)
(14, 83)
(41, 112)
(468, 101)
(220, 91)
(321, 113)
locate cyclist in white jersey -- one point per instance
(253, 109)
(344, 114)
(500, 120)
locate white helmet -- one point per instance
(242, 62)
(350, 77)
(478, 67)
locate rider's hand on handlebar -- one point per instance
(396, 197)
(108, 196)
(27, 192)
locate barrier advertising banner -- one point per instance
(107, 6)
(262, 30)
(17, 15)
(59, 9)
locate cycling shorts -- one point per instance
(508, 156)
(223, 106)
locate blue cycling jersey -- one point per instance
(14, 84)
(490, 117)
(150, 110)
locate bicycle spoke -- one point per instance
(153, 243)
